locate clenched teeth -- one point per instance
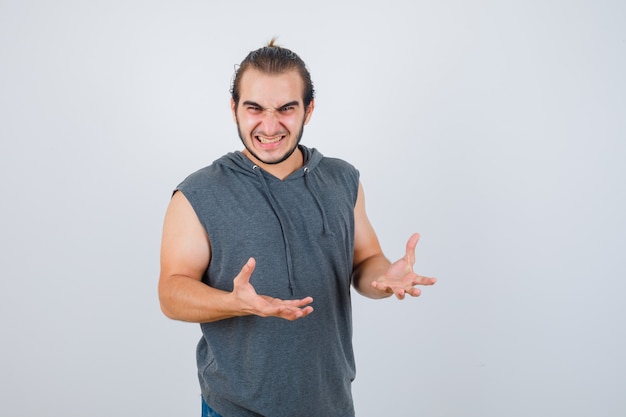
(264, 140)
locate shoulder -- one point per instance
(203, 178)
(338, 177)
(339, 168)
(337, 163)
(200, 175)
(317, 160)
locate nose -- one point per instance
(270, 122)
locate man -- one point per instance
(258, 239)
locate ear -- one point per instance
(309, 112)
(233, 109)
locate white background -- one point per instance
(495, 129)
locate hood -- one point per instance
(239, 162)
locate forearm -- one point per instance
(186, 299)
(368, 271)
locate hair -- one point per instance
(273, 59)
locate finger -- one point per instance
(291, 312)
(295, 314)
(382, 287)
(420, 280)
(414, 292)
(286, 309)
(400, 293)
(410, 248)
(244, 275)
(299, 303)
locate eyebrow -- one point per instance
(252, 103)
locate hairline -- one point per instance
(263, 71)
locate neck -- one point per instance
(282, 169)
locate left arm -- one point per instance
(372, 274)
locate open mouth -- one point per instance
(268, 141)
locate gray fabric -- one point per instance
(301, 232)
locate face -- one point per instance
(271, 116)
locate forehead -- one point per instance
(271, 89)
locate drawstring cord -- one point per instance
(326, 226)
(274, 205)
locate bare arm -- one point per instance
(369, 261)
(373, 275)
(185, 256)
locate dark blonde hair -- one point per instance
(274, 59)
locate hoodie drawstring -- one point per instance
(307, 183)
(281, 221)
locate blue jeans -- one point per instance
(208, 411)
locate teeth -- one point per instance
(263, 140)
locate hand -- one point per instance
(400, 278)
(263, 305)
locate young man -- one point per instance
(256, 241)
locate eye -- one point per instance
(254, 109)
(285, 109)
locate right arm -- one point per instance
(185, 256)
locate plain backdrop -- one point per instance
(496, 129)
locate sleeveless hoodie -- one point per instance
(300, 230)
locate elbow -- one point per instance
(166, 311)
(165, 301)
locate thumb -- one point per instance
(410, 248)
(246, 272)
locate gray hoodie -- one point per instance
(300, 230)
